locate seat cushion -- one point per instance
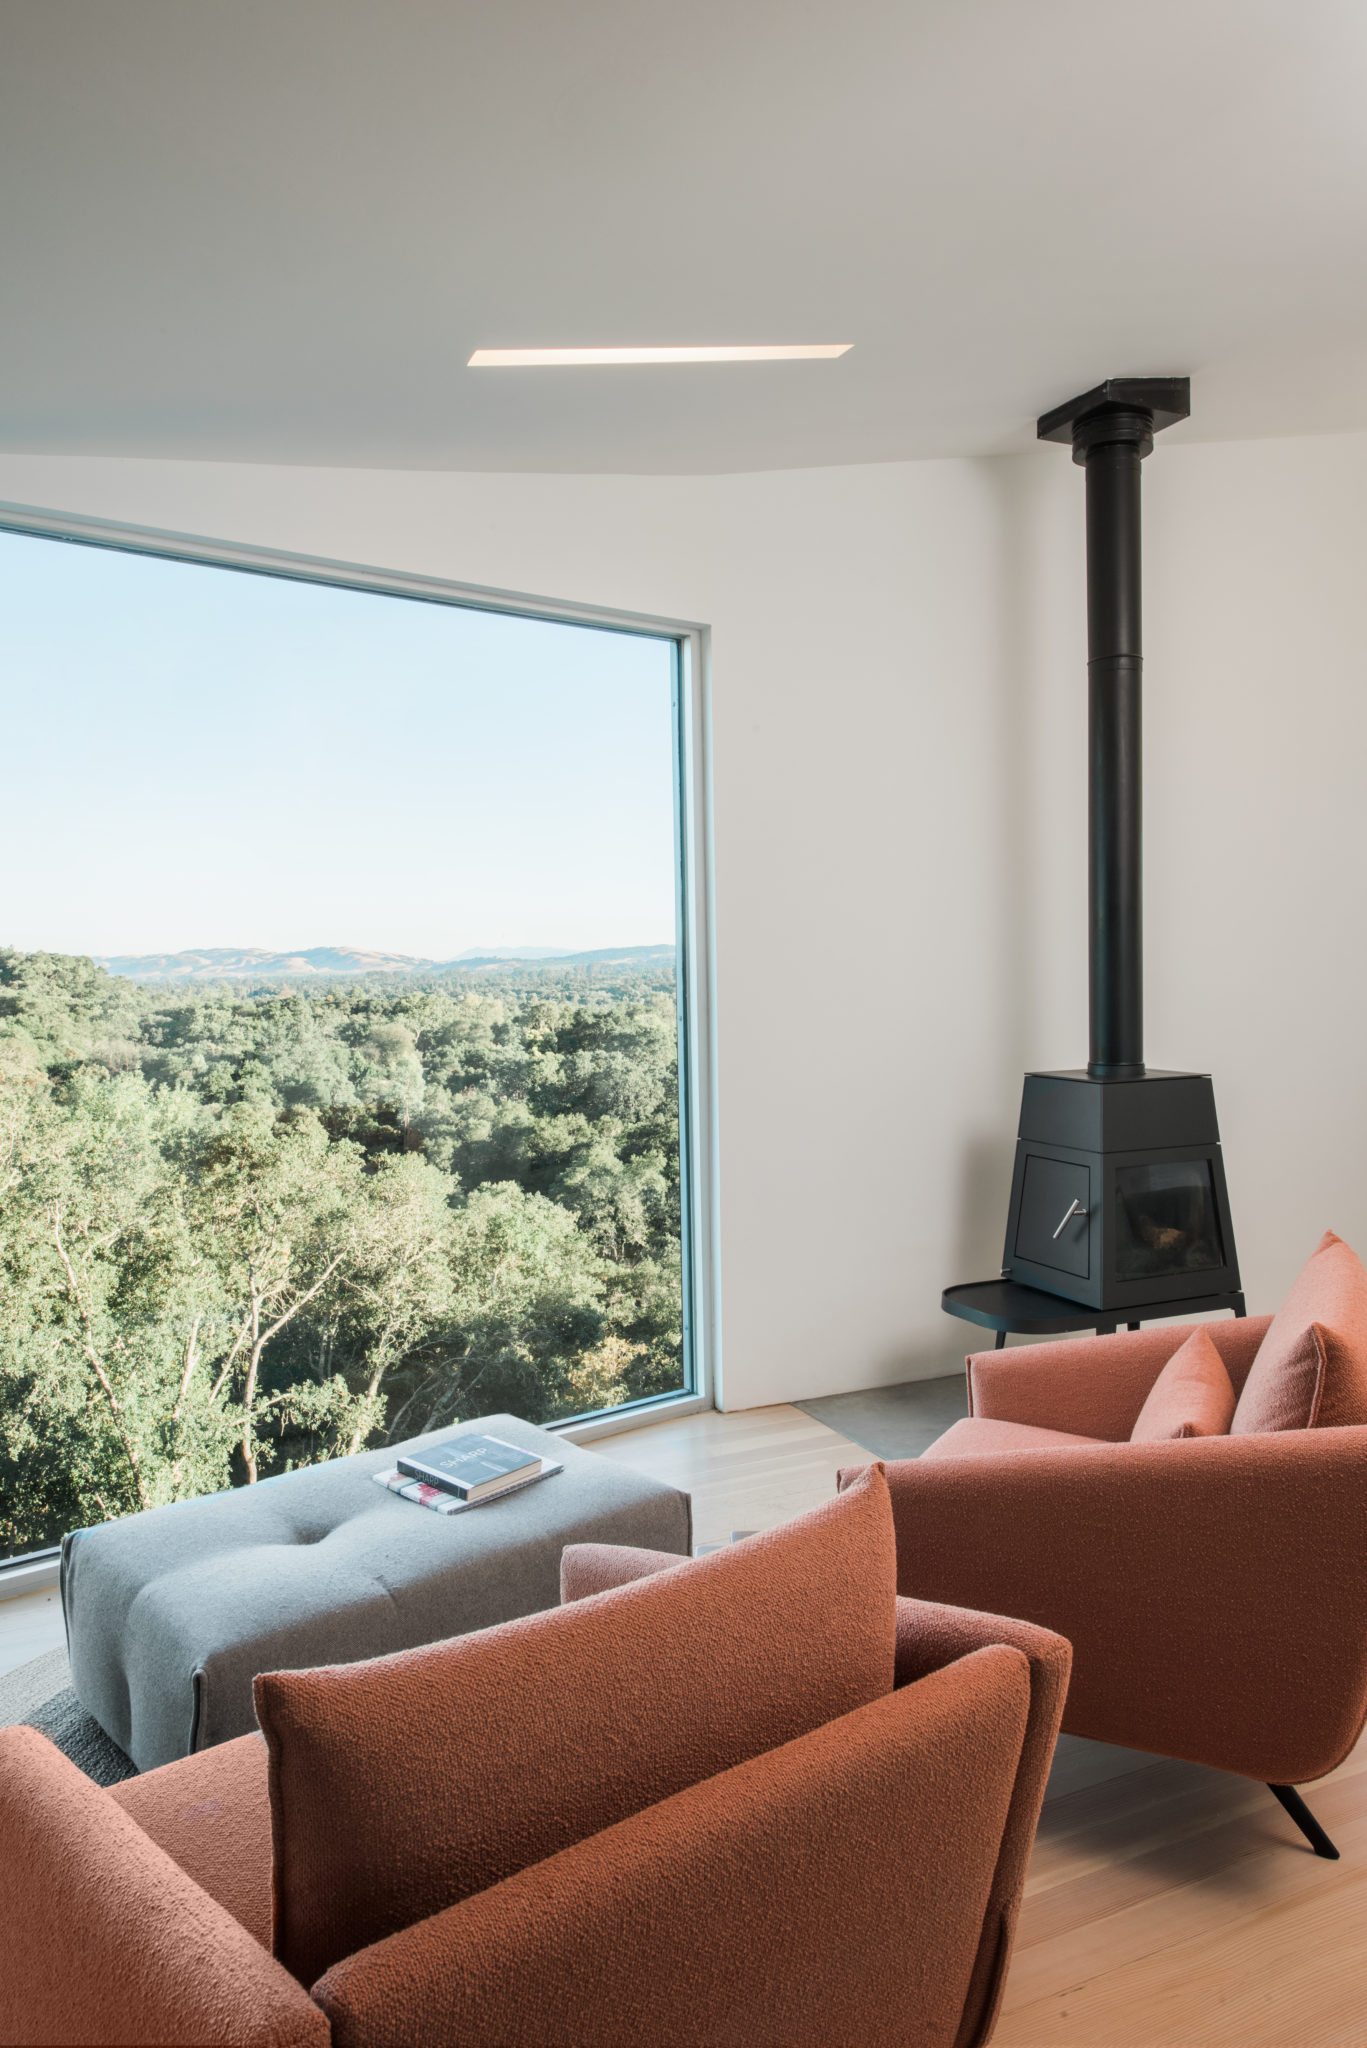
(401, 1786)
(1192, 1396)
(212, 1815)
(978, 1436)
(1311, 1367)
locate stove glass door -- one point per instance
(1166, 1220)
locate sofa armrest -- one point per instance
(930, 1638)
(106, 1939)
(1211, 1588)
(832, 1889)
(1095, 1386)
(589, 1568)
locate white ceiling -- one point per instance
(273, 230)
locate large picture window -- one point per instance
(340, 996)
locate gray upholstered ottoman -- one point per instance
(171, 1614)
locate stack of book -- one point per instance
(465, 1472)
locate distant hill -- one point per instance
(250, 963)
(483, 953)
(612, 956)
(316, 963)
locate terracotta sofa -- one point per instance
(751, 1798)
(1212, 1586)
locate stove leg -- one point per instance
(1305, 1820)
(1000, 1344)
(1131, 1326)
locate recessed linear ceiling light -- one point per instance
(548, 358)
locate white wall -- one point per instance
(899, 718)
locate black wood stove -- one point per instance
(1118, 1204)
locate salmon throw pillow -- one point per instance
(1192, 1396)
(400, 1786)
(1311, 1367)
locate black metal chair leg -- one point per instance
(1305, 1820)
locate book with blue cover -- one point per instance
(472, 1467)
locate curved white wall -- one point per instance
(899, 717)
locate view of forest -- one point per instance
(242, 1230)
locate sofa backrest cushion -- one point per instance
(1192, 1396)
(403, 1785)
(1311, 1367)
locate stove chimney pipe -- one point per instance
(1111, 430)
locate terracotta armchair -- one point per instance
(748, 1797)
(1212, 1587)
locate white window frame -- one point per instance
(698, 1161)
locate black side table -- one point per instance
(1005, 1305)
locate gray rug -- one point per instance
(39, 1694)
(894, 1422)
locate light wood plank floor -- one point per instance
(747, 1470)
(1166, 1906)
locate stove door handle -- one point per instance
(1074, 1208)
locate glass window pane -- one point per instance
(338, 1041)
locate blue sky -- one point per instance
(194, 757)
